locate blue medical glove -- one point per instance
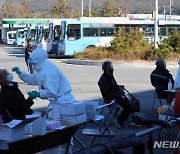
(33, 94)
(17, 70)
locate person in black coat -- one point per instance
(162, 71)
(110, 90)
(28, 50)
(12, 98)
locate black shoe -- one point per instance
(118, 123)
(134, 125)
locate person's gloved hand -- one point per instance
(33, 94)
(17, 70)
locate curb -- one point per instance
(129, 64)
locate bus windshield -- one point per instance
(57, 32)
(20, 34)
(12, 36)
(46, 34)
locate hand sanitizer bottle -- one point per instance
(170, 85)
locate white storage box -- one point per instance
(14, 130)
(52, 124)
(92, 109)
(55, 113)
(68, 120)
(38, 125)
(73, 108)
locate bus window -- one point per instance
(86, 32)
(103, 32)
(90, 32)
(110, 31)
(73, 31)
(169, 30)
(162, 31)
(94, 32)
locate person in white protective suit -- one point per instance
(51, 81)
(177, 79)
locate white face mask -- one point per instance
(9, 77)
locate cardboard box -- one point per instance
(162, 109)
(68, 120)
(162, 116)
(14, 130)
(73, 108)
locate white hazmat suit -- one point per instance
(51, 81)
(177, 79)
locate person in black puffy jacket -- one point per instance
(12, 99)
(162, 71)
(110, 90)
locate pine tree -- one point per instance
(76, 14)
(25, 9)
(110, 9)
(61, 10)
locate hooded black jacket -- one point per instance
(109, 88)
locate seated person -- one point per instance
(110, 90)
(12, 98)
(162, 71)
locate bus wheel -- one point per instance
(90, 46)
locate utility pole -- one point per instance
(126, 8)
(49, 6)
(156, 24)
(164, 12)
(89, 8)
(170, 8)
(82, 9)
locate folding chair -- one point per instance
(103, 130)
(160, 83)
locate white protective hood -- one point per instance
(38, 56)
(50, 79)
(177, 80)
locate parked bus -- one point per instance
(21, 35)
(79, 34)
(11, 37)
(51, 36)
